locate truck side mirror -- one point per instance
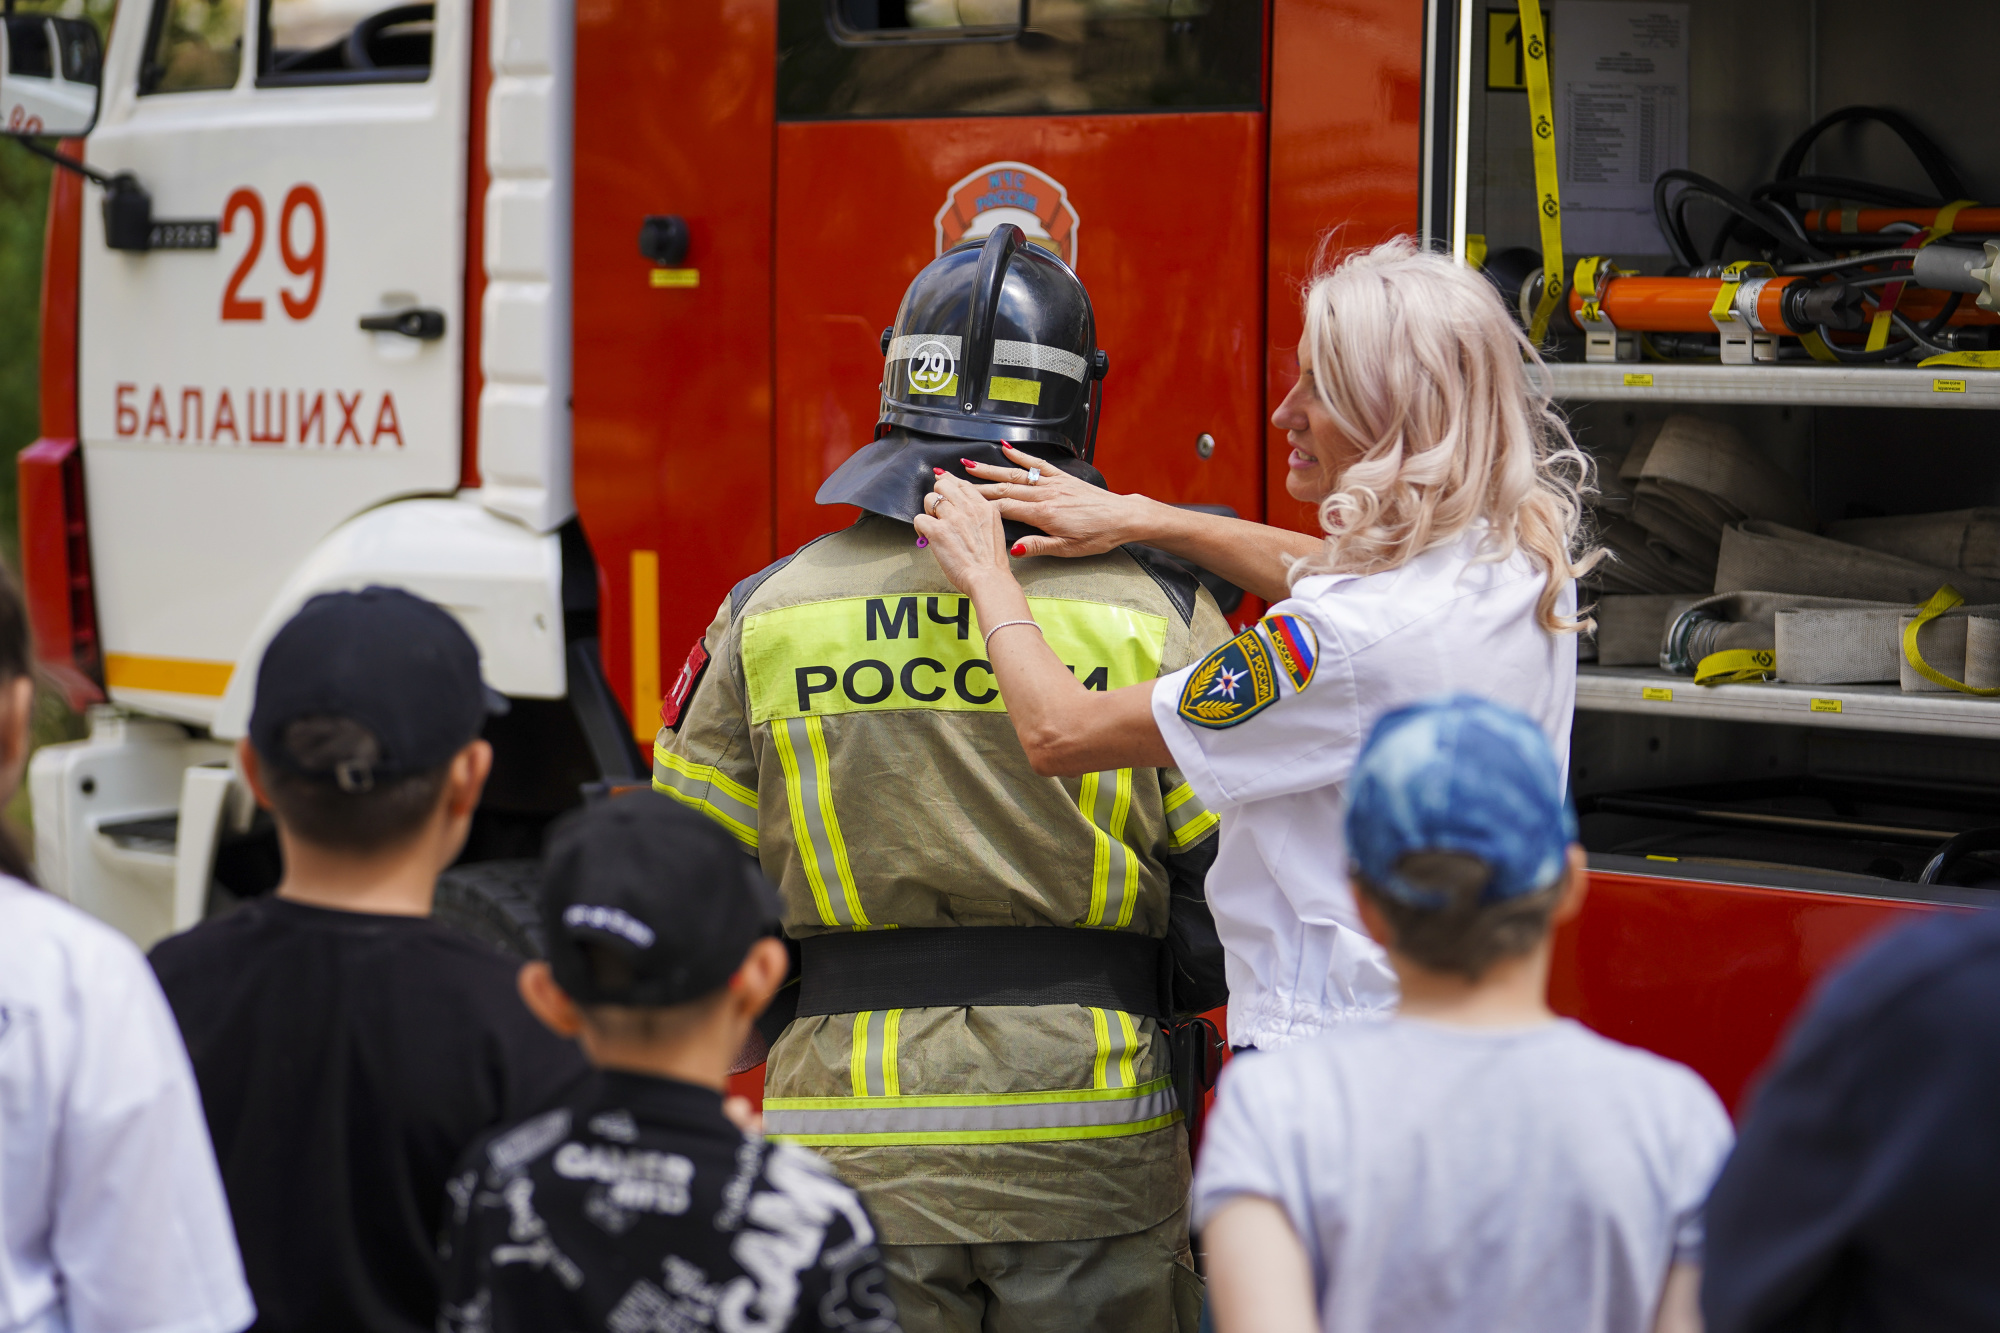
(50, 72)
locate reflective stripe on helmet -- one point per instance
(1017, 1117)
(1036, 356)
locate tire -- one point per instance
(496, 903)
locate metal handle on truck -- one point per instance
(416, 322)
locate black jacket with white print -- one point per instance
(638, 1208)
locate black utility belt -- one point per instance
(966, 966)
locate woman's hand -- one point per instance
(964, 533)
(1079, 518)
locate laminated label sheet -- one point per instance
(1620, 72)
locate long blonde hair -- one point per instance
(1423, 369)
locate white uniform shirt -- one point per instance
(112, 1215)
(1298, 959)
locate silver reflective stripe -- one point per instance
(1153, 1101)
(1105, 799)
(1037, 356)
(801, 745)
(900, 348)
(1188, 820)
(708, 791)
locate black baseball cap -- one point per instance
(663, 895)
(387, 659)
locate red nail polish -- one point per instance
(938, 470)
(1019, 548)
(968, 462)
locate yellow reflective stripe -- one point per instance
(950, 1100)
(857, 1060)
(944, 1137)
(1102, 1029)
(705, 773)
(1002, 1118)
(1126, 1076)
(1111, 861)
(830, 824)
(1188, 820)
(892, 1032)
(708, 790)
(802, 836)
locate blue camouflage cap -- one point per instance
(1458, 774)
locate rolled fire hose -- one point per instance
(1963, 539)
(1630, 627)
(1770, 557)
(1851, 641)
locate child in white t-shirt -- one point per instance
(1474, 1163)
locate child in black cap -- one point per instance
(638, 1205)
(347, 1047)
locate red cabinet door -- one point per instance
(1150, 181)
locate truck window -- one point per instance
(344, 41)
(888, 58)
(194, 44)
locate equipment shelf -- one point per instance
(1811, 385)
(1648, 691)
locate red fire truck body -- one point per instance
(672, 442)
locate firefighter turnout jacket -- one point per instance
(840, 718)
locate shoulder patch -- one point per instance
(1295, 646)
(692, 671)
(1233, 683)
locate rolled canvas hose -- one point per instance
(1629, 628)
(1963, 539)
(1853, 641)
(1839, 647)
(1770, 557)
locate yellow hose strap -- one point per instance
(1593, 275)
(1475, 249)
(1943, 600)
(1816, 345)
(1736, 666)
(1732, 278)
(1946, 219)
(1970, 360)
(1542, 122)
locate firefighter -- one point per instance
(979, 1043)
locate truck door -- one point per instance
(287, 352)
(1125, 135)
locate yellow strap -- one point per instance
(1816, 345)
(1970, 360)
(1732, 279)
(1878, 331)
(1943, 600)
(1542, 124)
(1946, 219)
(1475, 249)
(1736, 666)
(1587, 271)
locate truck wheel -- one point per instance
(495, 902)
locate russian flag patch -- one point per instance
(1293, 644)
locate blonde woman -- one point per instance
(1448, 490)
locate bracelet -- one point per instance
(1003, 625)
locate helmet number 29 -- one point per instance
(932, 368)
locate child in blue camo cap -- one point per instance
(1475, 1162)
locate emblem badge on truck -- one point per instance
(1012, 192)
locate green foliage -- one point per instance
(24, 207)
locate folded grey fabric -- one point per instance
(1849, 646)
(1963, 539)
(1629, 628)
(1633, 565)
(1771, 557)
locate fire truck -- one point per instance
(559, 313)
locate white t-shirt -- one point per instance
(1450, 1178)
(1298, 960)
(112, 1215)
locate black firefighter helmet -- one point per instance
(994, 342)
